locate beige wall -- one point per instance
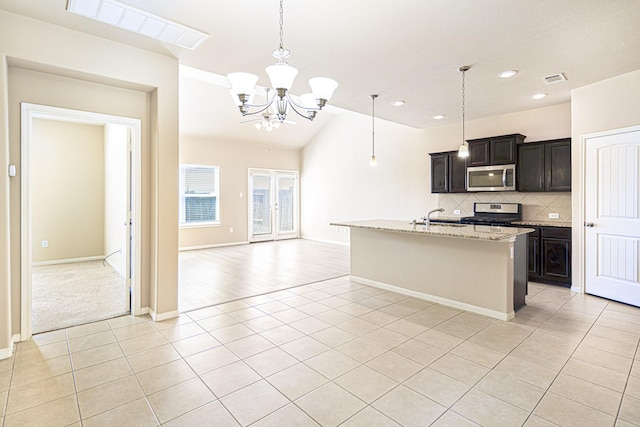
(337, 183)
(610, 104)
(234, 160)
(105, 77)
(67, 190)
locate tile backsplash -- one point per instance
(535, 206)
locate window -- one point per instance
(199, 195)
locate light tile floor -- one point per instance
(336, 353)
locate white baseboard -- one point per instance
(217, 245)
(333, 242)
(6, 353)
(444, 301)
(163, 316)
(576, 289)
(68, 261)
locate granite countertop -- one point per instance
(479, 232)
(532, 222)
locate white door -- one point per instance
(612, 217)
(273, 205)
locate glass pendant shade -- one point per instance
(463, 151)
(373, 161)
(242, 83)
(323, 87)
(281, 75)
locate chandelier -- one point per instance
(281, 76)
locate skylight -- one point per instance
(138, 21)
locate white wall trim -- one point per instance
(163, 316)
(428, 297)
(334, 242)
(214, 245)
(7, 352)
(68, 260)
(27, 113)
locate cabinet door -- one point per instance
(534, 256)
(440, 173)
(458, 173)
(531, 176)
(479, 153)
(503, 150)
(556, 259)
(558, 165)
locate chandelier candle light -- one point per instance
(463, 151)
(281, 76)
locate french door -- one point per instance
(273, 205)
(612, 216)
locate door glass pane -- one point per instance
(286, 203)
(261, 204)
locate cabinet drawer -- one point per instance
(556, 232)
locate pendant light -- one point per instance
(373, 161)
(463, 151)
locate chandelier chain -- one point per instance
(281, 24)
(373, 124)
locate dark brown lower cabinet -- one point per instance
(550, 255)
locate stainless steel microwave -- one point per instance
(491, 178)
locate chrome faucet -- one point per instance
(427, 220)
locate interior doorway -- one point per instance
(273, 205)
(612, 215)
(80, 188)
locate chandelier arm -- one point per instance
(292, 103)
(293, 107)
(262, 107)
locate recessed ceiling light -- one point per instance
(397, 103)
(439, 117)
(538, 95)
(507, 74)
(138, 21)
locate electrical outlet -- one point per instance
(554, 215)
(241, 194)
(230, 229)
(456, 211)
(45, 243)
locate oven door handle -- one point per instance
(504, 177)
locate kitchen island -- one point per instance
(476, 268)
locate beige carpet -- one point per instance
(66, 295)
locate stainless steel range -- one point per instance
(494, 214)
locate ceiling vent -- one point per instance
(555, 78)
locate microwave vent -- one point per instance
(555, 78)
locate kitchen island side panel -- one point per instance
(477, 273)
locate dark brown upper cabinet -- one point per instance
(448, 173)
(439, 172)
(544, 166)
(495, 150)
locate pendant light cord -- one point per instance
(373, 124)
(463, 73)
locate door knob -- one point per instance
(589, 224)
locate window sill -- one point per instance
(201, 225)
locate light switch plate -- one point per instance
(553, 215)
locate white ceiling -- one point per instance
(401, 49)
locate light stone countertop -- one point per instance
(479, 232)
(543, 223)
